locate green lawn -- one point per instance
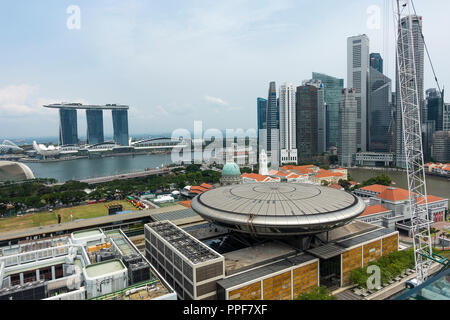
(45, 218)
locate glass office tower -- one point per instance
(273, 142)
(376, 62)
(68, 128)
(120, 126)
(333, 94)
(381, 113)
(94, 120)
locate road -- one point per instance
(123, 176)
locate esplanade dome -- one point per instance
(14, 171)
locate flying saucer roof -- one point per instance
(278, 208)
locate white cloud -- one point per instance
(216, 100)
(24, 101)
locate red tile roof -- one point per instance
(378, 188)
(378, 208)
(326, 174)
(205, 185)
(430, 199)
(254, 176)
(394, 194)
(336, 186)
(186, 203)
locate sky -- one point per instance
(174, 62)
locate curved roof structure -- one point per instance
(278, 209)
(9, 146)
(46, 151)
(14, 171)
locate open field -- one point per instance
(38, 219)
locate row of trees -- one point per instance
(36, 194)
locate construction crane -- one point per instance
(405, 16)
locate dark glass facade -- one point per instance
(381, 112)
(435, 108)
(272, 116)
(94, 133)
(262, 113)
(68, 127)
(307, 122)
(376, 62)
(333, 94)
(120, 126)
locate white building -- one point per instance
(287, 124)
(358, 62)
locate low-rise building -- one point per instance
(88, 264)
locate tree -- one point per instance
(317, 293)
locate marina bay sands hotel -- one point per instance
(68, 127)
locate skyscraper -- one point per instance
(434, 106)
(348, 109)
(358, 76)
(120, 127)
(332, 94)
(262, 113)
(68, 126)
(273, 142)
(416, 26)
(381, 118)
(376, 62)
(309, 104)
(262, 124)
(446, 116)
(287, 119)
(94, 119)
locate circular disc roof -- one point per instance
(280, 209)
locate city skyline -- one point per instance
(23, 89)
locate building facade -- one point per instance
(288, 143)
(376, 62)
(94, 119)
(357, 78)
(307, 122)
(441, 146)
(273, 140)
(347, 127)
(120, 126)
(68, 126)
(416, 26)
(332, 94)
(381, 118)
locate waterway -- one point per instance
(92, 168)
(79, 169)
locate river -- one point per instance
(99, 167)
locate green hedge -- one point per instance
(391, 266)
(317, 293)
